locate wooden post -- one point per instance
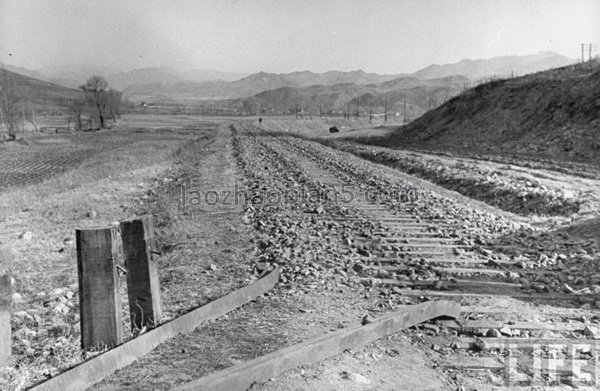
(99, 301)
(5, 298)
(143, 286)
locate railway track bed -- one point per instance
(352, 240)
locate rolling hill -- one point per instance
(338, 98)
(44, 95)
(553, 114)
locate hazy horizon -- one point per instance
(281, 36)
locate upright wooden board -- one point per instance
(99, 301)
(240, 377)
(5, 299)
(143, 286)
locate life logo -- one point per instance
(537, 364)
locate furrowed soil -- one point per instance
(356, 231)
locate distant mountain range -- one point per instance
(330, 91)
(248, 86)
(505, 66)
(472, 69)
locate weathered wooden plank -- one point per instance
(96, 369)
(489, 363)
(143, 287)
(5, 299)
(448, 270)
(240, 377)
(524, 296)
(448, 284)
(548, 311)
(439, 258)
(492, 324)
(400, 240)
(520, 343)
(99, 300)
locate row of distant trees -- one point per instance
(99, 102)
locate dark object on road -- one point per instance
(333, 129)
(260, 120)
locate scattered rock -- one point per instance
(366, 319)
(26, 235)
(17, 298)
(505, 330)
(355, 377)
(592, 332)
(493, 333)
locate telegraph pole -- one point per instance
(404, 108)
(296, 110)
(371, 110)
(357, 105)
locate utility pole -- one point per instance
(589, 47)
(302, 108)
(357, 106)
(296, 110)
(385, 110)
(371, 110)
(404, 108)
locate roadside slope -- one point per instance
(551, 114)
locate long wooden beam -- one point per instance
(92, 371)
(240, 377)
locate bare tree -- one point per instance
(10, 100)
(96, 91)
(107, 101)
(114, 103)
(31, 116)
(76, 108)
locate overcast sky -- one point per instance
(247, 36)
